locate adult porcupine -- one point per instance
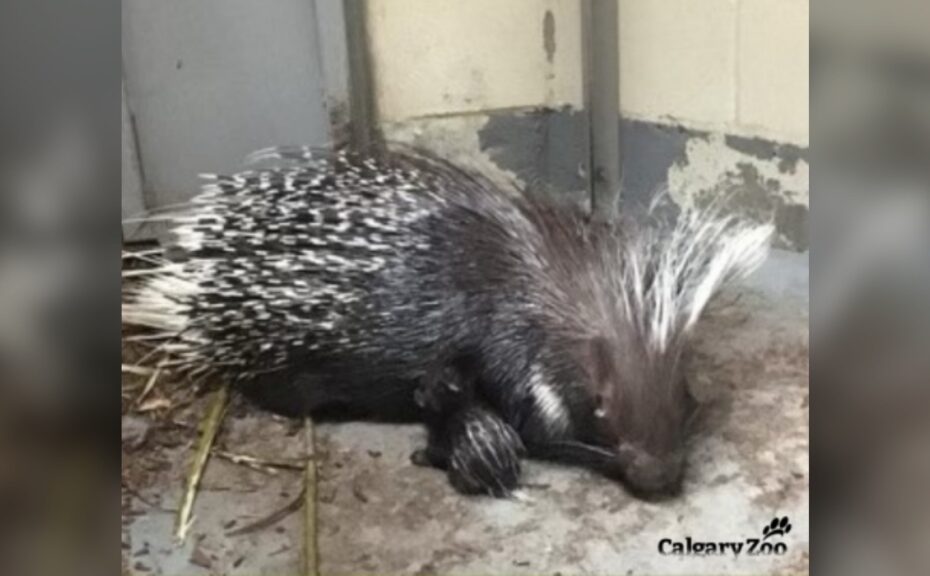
(343, 282)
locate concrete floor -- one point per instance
(379, 514)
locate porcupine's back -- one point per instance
(339, 279)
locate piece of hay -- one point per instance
(271, 519)
(260, 464)
(209, 428)
(311, 557)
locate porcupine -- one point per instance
(346, 283)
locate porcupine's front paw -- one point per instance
(484, 454)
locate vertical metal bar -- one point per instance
(362, 111)
(333, 57)
(586, 76)
(133, 199)
(602, 52)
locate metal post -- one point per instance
(362, 113)
(602, 95)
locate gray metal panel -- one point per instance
(209, 81)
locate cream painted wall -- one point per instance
(451, 56)
(734, 66)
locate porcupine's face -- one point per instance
(642, 409)
(635, 290)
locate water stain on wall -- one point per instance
(549, 35)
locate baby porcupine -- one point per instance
(479, 451)
(340, 281)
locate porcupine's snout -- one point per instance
(649, 476)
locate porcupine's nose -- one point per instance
(652, 477)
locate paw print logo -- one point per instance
(777, 527)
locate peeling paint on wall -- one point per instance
(788, 155)
(455, 138)
(760, 179)
(543, 151)
(546, 150)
